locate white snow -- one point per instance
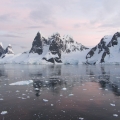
(1, 44)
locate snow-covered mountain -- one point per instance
(64, 50)
(107, 51)
(54, 50)
(1, 49)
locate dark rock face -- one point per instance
(9, 50)
(114, 40)
(55, 48)
(91, 52)
(1, 50)
(44, 41)
(37, 46)
(101, 47)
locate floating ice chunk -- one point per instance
(63, 111)
(112, 104)
(27, 82)
(17, 91)
(23, 98)
(106, 89)
(115, 115)
(45, 100)
(36, 88)
(4, 112)
(19, 97)
(84, 89)
(81, 118)
(71, 94)
(51, 104)
(91, 99)
(1, 99)
(61, 95)
(64, 88)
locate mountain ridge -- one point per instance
(64, 50)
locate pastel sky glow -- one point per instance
(87, 21)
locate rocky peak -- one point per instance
(37, 46)
(114, 40)
(9, 50)
(56, 44)
(71, 46)
(1, 49)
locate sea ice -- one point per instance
(64, 88)
(71, 94)
(81, 118)
(45, 100)
(4, 112)
(115, 115)
(26, 82)
(17, 91)
(51, 104)
(112, 104)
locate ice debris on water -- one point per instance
(51, 104)
(17, 91)
(1, 99)
(112, 104)
(71, 94)
(64, 88)
(4, 112)
(115, 115)
(26, 82)
(45, 100)
(91, 99)
(36, 88)
(63, 111)
(80, 118)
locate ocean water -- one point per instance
(59, 92)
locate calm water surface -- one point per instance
(60, 92)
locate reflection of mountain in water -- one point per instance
(56, 78)
(54, 84)
(107, 83)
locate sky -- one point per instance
(87, 21)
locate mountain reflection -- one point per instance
(57, 79)
(107, 83)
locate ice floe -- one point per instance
(26, 82)
(4, 112)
